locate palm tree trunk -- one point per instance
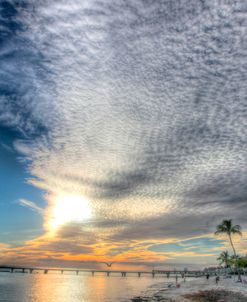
(234, 251)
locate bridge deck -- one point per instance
(167, 273)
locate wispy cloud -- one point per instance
(31, 205)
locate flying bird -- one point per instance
(108, 264)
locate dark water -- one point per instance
(19, 287)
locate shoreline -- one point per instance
(197, 290)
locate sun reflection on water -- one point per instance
(53, 287)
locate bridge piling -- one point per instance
(139, 274)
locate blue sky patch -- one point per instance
(199, 245)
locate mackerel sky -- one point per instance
(137, 105)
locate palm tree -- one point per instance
(227, 228)
(224, 258)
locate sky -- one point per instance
(122, 131)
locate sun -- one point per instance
(69, 208)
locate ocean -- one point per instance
(54, 287)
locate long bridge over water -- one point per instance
(153, 273)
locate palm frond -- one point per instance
(236, 229)
(220, 229)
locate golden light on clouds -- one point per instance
(110, 135)
(69, 208)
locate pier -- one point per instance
(76, 271)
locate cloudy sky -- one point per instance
(122, 130)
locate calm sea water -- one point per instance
(19, 287)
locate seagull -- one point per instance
(108, 264)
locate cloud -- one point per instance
(66, 247)
(31, 205)
(139, 106)
(4, 246)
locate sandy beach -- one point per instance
(200, 290)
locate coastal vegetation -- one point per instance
(241, 262)
(227, 228)
(224, 258)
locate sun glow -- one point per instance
(69, 208)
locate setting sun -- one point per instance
(69, 208)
